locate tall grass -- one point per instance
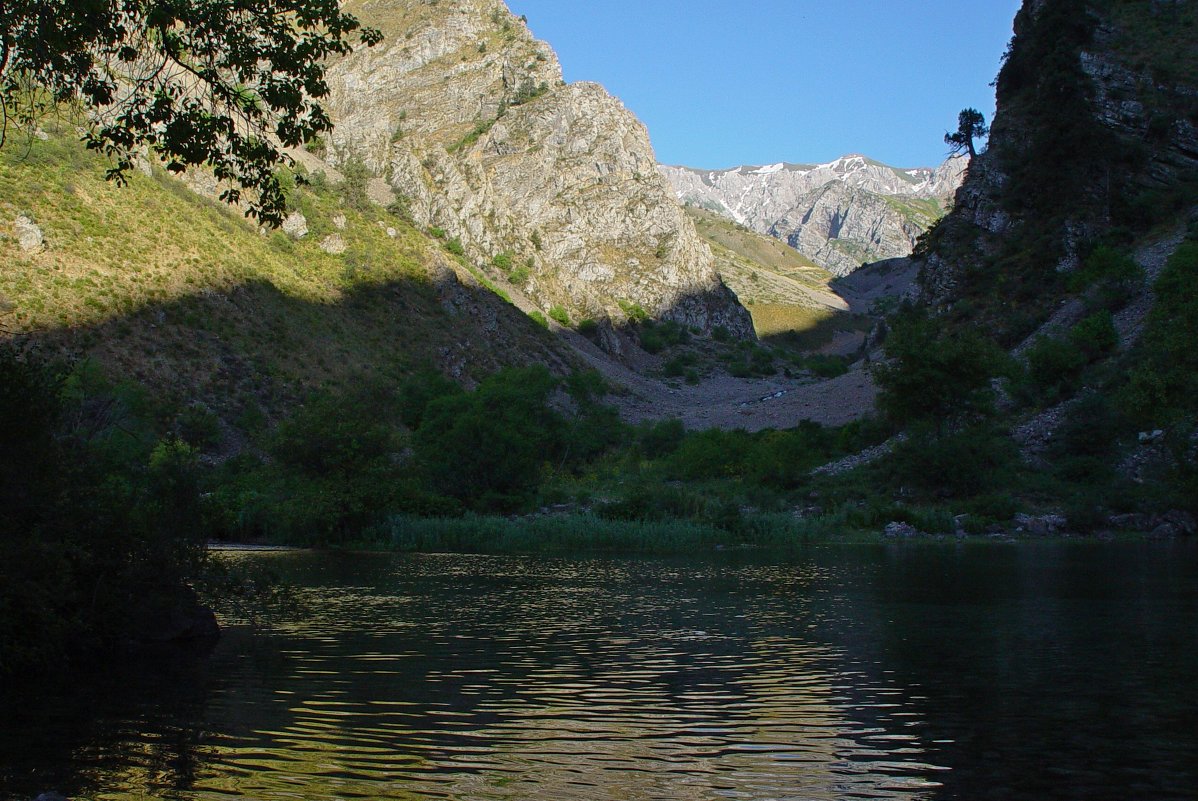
(585, 533)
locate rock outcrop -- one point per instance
(1094, 132)
(29, 236)
(840, 215)
(549, 185)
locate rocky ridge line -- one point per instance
(550, 185)
(840, 215)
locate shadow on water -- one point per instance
(140, 714)
(889, 672)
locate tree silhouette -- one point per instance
(970, 125)
(223, 83)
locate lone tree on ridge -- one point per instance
(970, 125)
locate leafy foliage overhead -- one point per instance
(227, 83)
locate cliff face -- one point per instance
(552, 186)
(1095, 137)
(839, 215)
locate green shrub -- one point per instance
(780, 459)
(198, 426)
(334, 471)
(935, 373)
(1163, 386)
(710, 454)
(633, 311)
(586, 386)
(1113, 273)
(480, 129)
(418, 391)
(489, 448)
(826, 366)
(401, 207)
(538, 318)
(454, 246)
(657, 336)
(661, 438)
(679, 365)
(962, 464)
(1053, 365)
(519, 276)
(559, 315)
(503, 261)
(1095, 336)
(355, 176)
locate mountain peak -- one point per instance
(877, 212)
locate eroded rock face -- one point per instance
(467, 116)
(841, 227)
(841, 214)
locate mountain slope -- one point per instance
(789, 296)
(161, 286)
(1096, 141)
(467, 117)
(840, 215)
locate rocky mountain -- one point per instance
(1095, 141)
(552, 186)
(840, 214)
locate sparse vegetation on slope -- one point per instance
(160, 285)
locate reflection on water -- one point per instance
(912, 673)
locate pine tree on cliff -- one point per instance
(971, 125)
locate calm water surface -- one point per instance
(927, 672)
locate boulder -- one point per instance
(897, 530)
(1041, 525)
(295, 226)
(333, 244)
(29, 235)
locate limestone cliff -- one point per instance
(549, 185)
(839, 215)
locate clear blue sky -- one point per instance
(721, 82)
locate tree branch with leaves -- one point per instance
(226, 84)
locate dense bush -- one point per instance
(961, 464)
(1163, 386)
(936, 374)
(1053, 366)
(710, 454)
(1095, 336)
(657, 336)
(661, 438)
(490, 448)
(1111, 274)
(100, 525)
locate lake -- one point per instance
(902, 671)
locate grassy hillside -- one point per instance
(181, 294)
(788, 295)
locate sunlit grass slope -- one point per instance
(181, 293)
(787, 294)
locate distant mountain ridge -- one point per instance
(839, 214)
